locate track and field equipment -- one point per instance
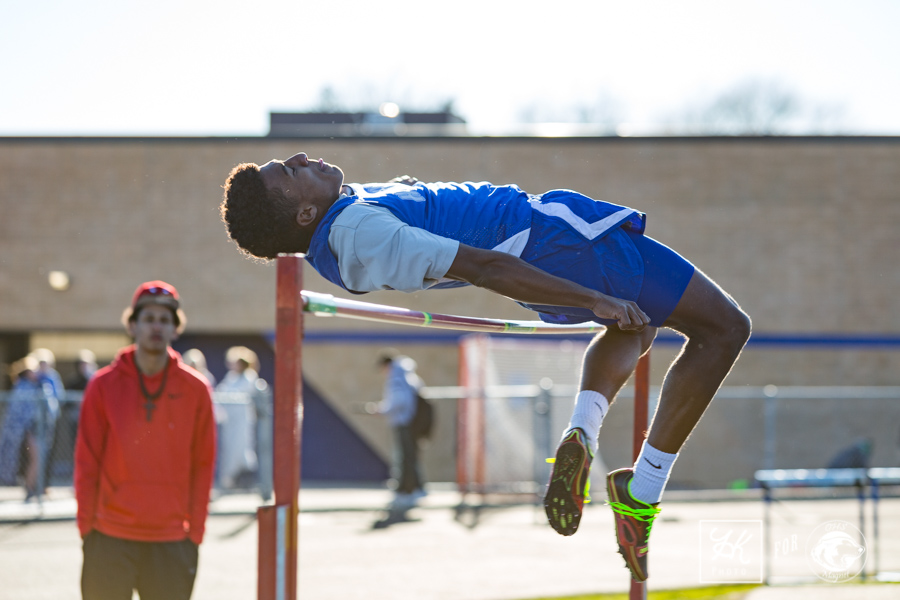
(278, 523)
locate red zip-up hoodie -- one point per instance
(138, 479)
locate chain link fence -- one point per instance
(748, 428)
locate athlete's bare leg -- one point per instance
(716, 330)
(611, 358)
(608, 363)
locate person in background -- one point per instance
(55, 396)
(854, 456)
(144, 460)
(398, 404)
(27, 428)
(55, 391)
(47, 373)
(237, 456)
(67, 424)
(196, 359)
(243, 370)
(85, 367)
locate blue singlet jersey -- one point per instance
(562, 232)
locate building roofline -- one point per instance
(468, 138)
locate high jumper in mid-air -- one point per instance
(562, 254)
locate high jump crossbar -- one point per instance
(326, 305)
(278, 523)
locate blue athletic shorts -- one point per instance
(666, 276)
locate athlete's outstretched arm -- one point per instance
(514, 278)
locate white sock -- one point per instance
(651, 472)
(590, 408)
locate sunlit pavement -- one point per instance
(352, 547)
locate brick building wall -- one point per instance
(801, 231)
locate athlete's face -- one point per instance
(304, 181)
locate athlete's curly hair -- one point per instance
(260, 221)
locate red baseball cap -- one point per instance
(155, 292)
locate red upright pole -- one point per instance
(638, 591)
(278, 524)
(462, 430)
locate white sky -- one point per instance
(191, 67)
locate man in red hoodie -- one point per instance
(144, 460)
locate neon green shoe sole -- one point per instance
(567, 492)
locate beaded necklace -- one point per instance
(150, 403)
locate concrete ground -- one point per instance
(351, 549)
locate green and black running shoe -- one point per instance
(634, 519)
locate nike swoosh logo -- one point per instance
(652, 465)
